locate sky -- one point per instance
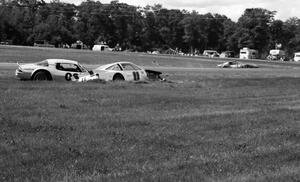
(233, 9)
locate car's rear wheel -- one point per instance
(118, 77)
(41, 75)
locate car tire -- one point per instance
(118, 77)
(41, 76)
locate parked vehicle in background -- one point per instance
(227, 54)
(101, 47)
(276, 54)
(42, 43)
(247, 53)
(210, 53)
(296, 56)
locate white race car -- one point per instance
(236, 64)
(54, 69)
(125, 71)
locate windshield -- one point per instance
(84, 69)
(128, 66)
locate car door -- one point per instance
(142, 75)
(132, 72)
(69, 71)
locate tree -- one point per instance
(13, 23)
(92, 21)
(292, 35)
(142, 29)
(54, 23)
(126, 25)
(204, 31)
(150, 31)
(229, 37)
(253, 29)
(215, 31)
(195, 34)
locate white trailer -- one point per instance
(297, 56)
(247, 53)
(101, 47)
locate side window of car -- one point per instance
(59, 67)
(68, 67)
(114, 67)
(127, 67)
(136, 67)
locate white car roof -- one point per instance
(54, 61)
(209, 51)
(103, 67)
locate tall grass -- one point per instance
(212, 130)
(204, 125)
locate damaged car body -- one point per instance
(52, 69)
(236, 64)
(126, 71)
(69, 70)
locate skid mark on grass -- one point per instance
(242, 111)
(125, 124)
(289, 107)
(28, 127)
(272, 149)
(199, 113)
(289, 102)
(259, 97)
(284, 172)
(258, 147)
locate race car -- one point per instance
(236, 64)
(128, 71)
(54, 69)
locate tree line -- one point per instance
(143, 28)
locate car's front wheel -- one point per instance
(40, 76)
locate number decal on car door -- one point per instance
(69, 76)
(136, 76)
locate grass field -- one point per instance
(205, 125)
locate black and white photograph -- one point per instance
(149, 91)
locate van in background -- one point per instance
(296, 56)
(210, 53)
(101, 47)
(247, 53)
